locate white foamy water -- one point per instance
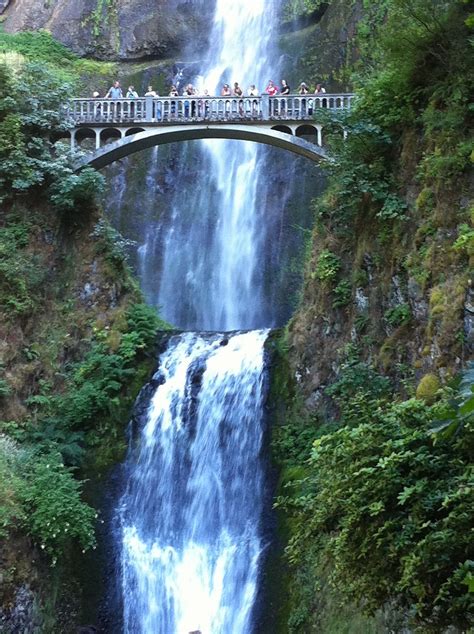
(213, 248)
(190, 517)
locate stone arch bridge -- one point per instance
(120, 127)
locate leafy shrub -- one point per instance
(38, 45)
(465, 240)
(358, 390)
(39, 493)
(21, 272)
(5, 389)
(342, 294)
(327, 266)
(30, 105)
(31, 109)
(41, 47)
(54, 511)
(96, 384)
(77, 192)
(393, 208)
(398, 316)
(390, 510)
(111, 243)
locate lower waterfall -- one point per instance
(190, 517)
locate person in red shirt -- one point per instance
(271, 89)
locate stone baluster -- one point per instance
(148, 109)
(265, 107)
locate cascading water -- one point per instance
(191, 513)
(189, 521)
(213, 246)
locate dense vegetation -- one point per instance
(376, 487)
(75, 332)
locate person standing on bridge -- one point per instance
(189, 106)
(303, 90)
(285, 90)
(271, 89)
(173, 93)
(320, 90)
(131, 93)
(204, 104)
(153, 94)
(115, 91)
(237, 90)
(226, 92)
(253, 92)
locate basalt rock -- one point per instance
(115, 29)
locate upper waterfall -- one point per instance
(212, 273)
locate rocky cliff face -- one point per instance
(320, 48)
(115, 29)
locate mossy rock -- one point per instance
(427, 388)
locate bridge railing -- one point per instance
(194, 109)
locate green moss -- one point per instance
(386, 354)
(40, 46)
(428, 388)
(425, 202)
(437, 302)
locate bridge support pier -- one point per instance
(319, 135)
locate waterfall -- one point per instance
(189, 522)
(190, 516)
(213, 248)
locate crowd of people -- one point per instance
(272, 89)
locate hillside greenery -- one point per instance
(70, 365)
(376, 484)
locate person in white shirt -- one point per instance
(151, 93)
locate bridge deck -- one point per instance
(189, 110)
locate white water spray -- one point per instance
(212, 253)
(190, 517)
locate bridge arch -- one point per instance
(151, 137)
(306, 130)
(283, 128)
(134, 131)
(108, 135)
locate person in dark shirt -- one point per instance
(237, 90)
